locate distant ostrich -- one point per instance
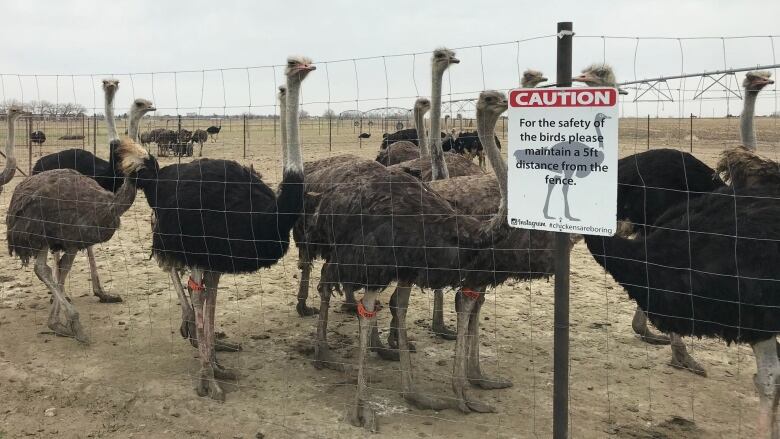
(364, 135)
(741, 166)
(13, 113)
(200, 137)
(708, 268)
(240, 225)
(105, 173)
(427, 243)
(213, 131)
(403, 150)
(38, 137)
(64, 211)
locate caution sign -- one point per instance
(563, 151)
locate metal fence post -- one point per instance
(691, 132)
(561, 334)
(245, 136)
(648, 131)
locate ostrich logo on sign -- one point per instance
(567, 161)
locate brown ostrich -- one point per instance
(412, 236)
(64, 211)
(741, 166)
(200, 137)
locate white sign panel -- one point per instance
(563, 151)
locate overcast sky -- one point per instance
(140, 36)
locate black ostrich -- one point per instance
(236, 224)
(38, 137)
(408, 134)
(364, 135)
(200, 137)
(406, 233)
(709, 268)
(213, 131)
(104, 172)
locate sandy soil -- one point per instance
(135, 379)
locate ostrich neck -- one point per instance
(110, 122)
(598, 134)
(747, 130)
(419, 123)
(283, 125)
(486, 130)
(294, 161)
(124, 197)
(135, 120)
(10, 158)
(438, 165)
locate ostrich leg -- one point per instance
(304, 264)
(465, 302)
(419, 400)
(73, 326)
(437, 324)
(475, 376)
(323, 358)
(550, 187)
(350, 304)
(681, 359)
(212, 281)
(187, 328)
(361, 414)
(767, 372)
(566, 212)
(96, 288)
(640, 326)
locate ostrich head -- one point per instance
(600, 117)
(141, 107)
(298, 67)
(14, 112)
(442, 58)
(598, 75)
(110, 86)
(757, 79)
(422, 104)
(492, 103)
(531, 78)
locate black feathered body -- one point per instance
(218, 215)
(718, 280)
(651, 182)
(85, 163)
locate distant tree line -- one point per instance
(46, 108)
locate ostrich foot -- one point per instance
(490, 383)
(681, 359)
(324, 359)
(72, 329)
(548, 216)
(571, 218)
(305, 311)
(104, 297)
(221, 373)
(208, 386)
(653, 338)
(468, 405)
(364, 416)
(440, 330)
(425, 402)
(386, 353)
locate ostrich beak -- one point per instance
(622, 92)
(583, 78)
(152, 108)
(454, 60)
(543, 79)
(306, 68)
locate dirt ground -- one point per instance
(135, 379)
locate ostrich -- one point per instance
(38, 138)
(741, 166)
(14, 113)
(364, 135)
(240, 225)
(708, 268)
(64, 211)
(423, 245)
(105, 173)
(403, 150)
(200, 137)
(213, 131)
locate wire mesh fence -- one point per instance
(137, 375)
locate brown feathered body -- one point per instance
(398, 152)
(522, 254)
(742, 168)
(457, 165)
